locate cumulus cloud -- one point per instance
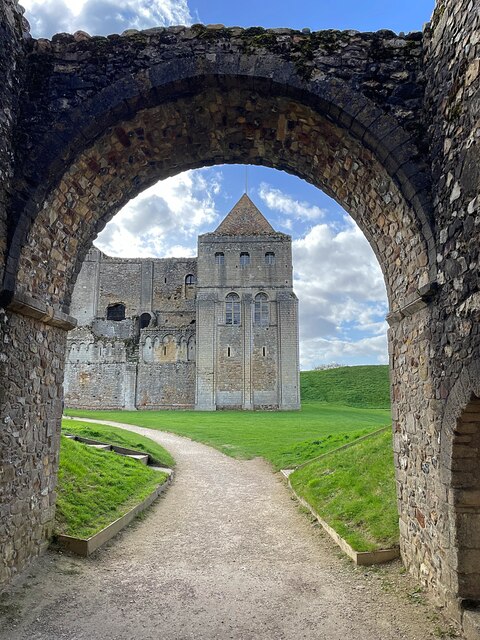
(317, 351)
(342, 296)
(102, 17)
(165, 219)
(279, 201)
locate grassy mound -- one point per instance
(366, 386)
(354, 492)
(120, 437)
(96, 487)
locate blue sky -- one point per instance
(337, 278)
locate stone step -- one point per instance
(142, 458)
(164, 469)
(103, 447)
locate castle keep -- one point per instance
(213, 332)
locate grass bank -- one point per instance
(120, 437)
(366, 386)
(97, 487)
(354, 492)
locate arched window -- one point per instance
(190, 279)
(261, 311)
(116, 312)
(244, 259)
(269, 257)
(145, 320)
(219, 258)
(232, 309)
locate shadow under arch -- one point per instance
(460, 475)
(193, 113)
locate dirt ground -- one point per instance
(225, 553)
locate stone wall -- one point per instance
(246, 365)
(13, 35)
(31, 372)
(121, 364)
(373, 119)
(435, 354)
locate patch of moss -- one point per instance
(203, 33)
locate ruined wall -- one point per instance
(13, 36)
(246, 365)
(435, 353)
(347, 111)
(31, 361)
(118, 364)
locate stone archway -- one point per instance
(460, 477)
(204, 121)
(102, 119)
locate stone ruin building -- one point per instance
(219, 331)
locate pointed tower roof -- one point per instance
(244, 220)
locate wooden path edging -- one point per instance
(361, 558)
(86, 546)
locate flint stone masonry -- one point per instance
(126, 364)
(388, 125)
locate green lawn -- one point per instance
(285, 438)
(113, 435)
(354, 492)
(353, 489)
(97, 487)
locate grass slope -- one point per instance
(97, 487)
(367, 386)
(120, 437)
(354, 492)
(285, 438)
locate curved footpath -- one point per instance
(224, 554)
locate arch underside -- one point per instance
(218, 125)
(460, 472)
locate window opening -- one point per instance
(261, 310)
(145, 319)
(116, 312)
(269, 258)
(219, 258)
(228, 352)
(190, 279)
(264, 351)
(232, 309)
(244, 259)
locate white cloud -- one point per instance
(165, 219)
(342, 296)
(103, 17)
(317, 351)
(276, 200)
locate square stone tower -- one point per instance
(247, 316)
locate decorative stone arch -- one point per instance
(191, 349)
(322, 130)
(211, 101)
(460, 475)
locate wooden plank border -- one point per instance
(86, 546)
(362, 558)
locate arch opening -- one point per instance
(247, 126)
(465, 483)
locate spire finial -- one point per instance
(246, 179)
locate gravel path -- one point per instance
(225, 553)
